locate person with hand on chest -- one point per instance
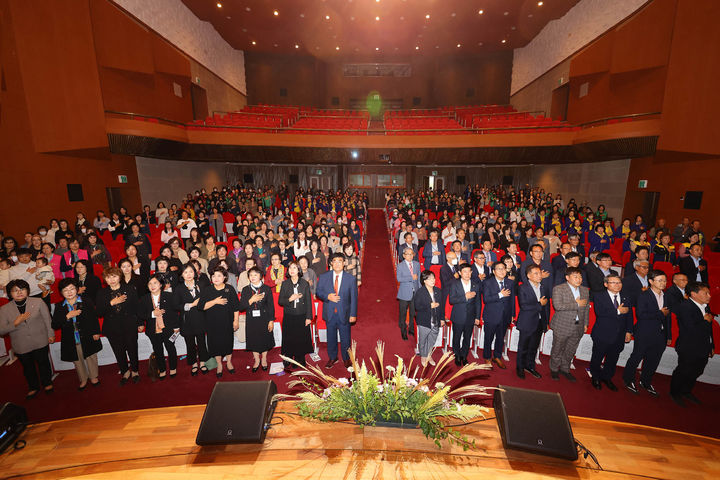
(257, 301)
(220, 304)
(465, 297)
(570, 322)
(532, 321)
(161, 319)
(498, 293)
(408, 278)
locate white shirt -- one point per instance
(19, 272)
(536, 289)
(643, 280)
(185, 232)
(660, 299)
(337, 276)
(696, 261)
(155, 303)
(576, 294)
(701, 306)
(465, 286)
(612, 299)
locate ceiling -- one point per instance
(345, 28)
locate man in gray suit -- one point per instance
(569, 323)
(408, 274)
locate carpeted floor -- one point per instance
(377, 319)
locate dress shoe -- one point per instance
(499, 362)
(554, 375)
(610, 385)
(32, 394)
(458, 361)
(533, 372)
(596, 383)
(124, 380)
(96, 384)
(82, 387)
(678, 400)
(693, 398)
(489, 363)
(255, 369)
(136, 378)
(173, 375)
(194, 371)
(49, 390)
(412, 332)
(264, 368)
(631, 387)
(218, 374)
(569, 376)
(331, 362)
(162, 377)
(347, 363)
(520, 373)
(650, 389)
(403, 334)
(464, 360)
(230, 370)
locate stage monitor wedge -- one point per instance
(13, 420)
(238, 412)
(534, 421)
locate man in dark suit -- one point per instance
(512, 250)
(634, 285)
(498, 294)
(480, 270)
(597, 272)
(559, 262)
(407, 243)
(456, 247)
(652, 333)
(572, 260)
(613, 328)
(448, 274)
(576, 246)
(433, 251)
(695, 342)
(532, 321)
(676, 294)
(641, 253)
(490, 256)
(536, 258)
(694, 266)
(464, 296)
(337, 290)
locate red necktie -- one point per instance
(336, 290)
(410, 267)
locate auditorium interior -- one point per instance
(586, 126)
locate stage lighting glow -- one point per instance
(354, 154)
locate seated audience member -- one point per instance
(77, 320)
(27, 321)
(664, 250)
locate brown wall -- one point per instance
(220, 95)
(538, 95)
(34, 183)
(672, 174)
(440, 81)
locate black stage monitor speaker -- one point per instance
(13, 420)
(534, 421)
(238, 412)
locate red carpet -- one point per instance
(377, 318)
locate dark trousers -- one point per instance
(124, 346)
(159, 340)
(462, 334)
(494, 334)
(527, 348)
(36, 367)
(404, 306)
(649, 351)
(334, 325)
(688, 369)
(609, 352)
(196, 348)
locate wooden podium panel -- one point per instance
(160, 444)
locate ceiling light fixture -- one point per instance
(427, 16)
(276, 13)
(503, 41)
(377, 18)
(337, 48)
(327, 17)
(540, 4)
(219, 5)
(417, 48)
(254, 42)
(480, 12)
(459, 45)
(297, 46)
(354, 153)
(377, 49)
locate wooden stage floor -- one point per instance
(159, 444)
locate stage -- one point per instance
(160, 444)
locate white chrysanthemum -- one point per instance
(411, 382)
(350, 369)
(425, 388)
(344, 381)
(439, 385)
(380, 388)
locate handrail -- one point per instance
(239, 112)
(620, 117)
(507, 113)
(141, 115)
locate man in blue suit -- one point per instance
(433, 251)
(499, 297)
(337, 289)
(408, 278)
(480, 269)
(613, 328)
(532, 321)
(464, 296)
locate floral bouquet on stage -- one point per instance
(393, 394)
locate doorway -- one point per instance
(198, 95)
(117, 197)
(559, 105)
(433, 182)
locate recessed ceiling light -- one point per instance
(244, 29)
(327, 17)
(402, 18)
(276, 13)
(480, 44)
(275, 44)
(354, 153)
(480, 12)
(506, 13)
(540, 4)
(504, 40)
(513, 28)
(530, 16)
(228, 18)
(302, 15)
(427, 16)
(452, 14)
(417, 48)
(254, 42)
(219, 5)
(377, 18)
(247, 9)
(337, 48)
(378, 1)
(317, 48)
(377, 48)
(297, 46)
(459, 45)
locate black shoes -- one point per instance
(678, 400)
(568, 375)
(533, 372)
(610, 385)
(693, 398)
(330, 363)
(255, 369)
(230, 370)
(403, 334)
(554, 375)
(650, 389)
(520, 373)
(32, 394)
(631, 387)
(458, 361)
(218, 374)
(596, 384)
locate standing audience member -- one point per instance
(192, 325)
(158, 312)
(426, 302)
(532, 321)
(222, 310)
(408, 278)
(465, 298)
(571, 301)
(498, 293)
(296, 300)
(257, 301)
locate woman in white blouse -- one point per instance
(301, 245)
(448, 233)
(168, 233)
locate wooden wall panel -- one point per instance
(168, 59)
(594, 58)
(644, 40)
(120, 41)
(54, 47)
(691, 102)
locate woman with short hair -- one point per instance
(296, 299)
(192, 326)
(257, 300)
(222, 311)
(157, 310)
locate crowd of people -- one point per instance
(494, 249)
(180, 271)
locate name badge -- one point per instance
(256, 313)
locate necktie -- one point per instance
(410, 267)
(336, 284)
(615, 302)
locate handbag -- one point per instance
(211, 363)
(153, 372)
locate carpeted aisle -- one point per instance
(377, 319)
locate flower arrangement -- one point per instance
(390, 394)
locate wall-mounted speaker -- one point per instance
(693, 199)
(335, 101)
(460, 180)
(417, 101)
(294, 178)
(247, 178)
(507, 180)
(283, 92)
(75, 192)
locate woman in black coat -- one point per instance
(296, 300)
(118, 305)
(257, 300)
(428, 316)
(157, 310)
(77, 320)
(88, 284)
(130, 278)
(186, 297)
(220, 304)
